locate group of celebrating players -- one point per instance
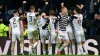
(62, 29)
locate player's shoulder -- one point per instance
(11, 18)
(75, 15)
(28, 13)
(17, 17)
(81, 15)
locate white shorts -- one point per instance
(15, 36)
(70, 33)
(63, 35)
(53, 37)
(80, 37)
(44, 34)
(31, 33)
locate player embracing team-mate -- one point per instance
(53, 35)
(47, 29)
(64, 30)
(43, 29)
(79, 32)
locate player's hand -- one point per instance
(62, 4)
(46, 3)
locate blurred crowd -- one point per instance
(90, 9)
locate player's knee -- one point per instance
(22, 41)
(59, 41)
(12, 45)
(83, 42)
(49, 45)
(66, 41)
(72, 41)
(79, 43)
(12, 49)
(43, 42)
(30, 41)
(13, 42)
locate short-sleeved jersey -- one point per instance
(78, 23)
(15, 24)
(31, 20)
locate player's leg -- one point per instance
(59, 42)
(43, 45)
(30, 42)
(83, 43)
(22, 46)
(13, 43)
(72, 43)
(35, 40)
(72, 47)
(79, 44)
(66, 43)
(21, 39)
(66, 50)
(50, 46)
(51, 41)
(43, 39)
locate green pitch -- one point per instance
(49, 55)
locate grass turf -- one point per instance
(48, 55)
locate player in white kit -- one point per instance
(32, 30)
(43, 29)
(71, 38)
(53, 34)
(16, 31)
(78, 31)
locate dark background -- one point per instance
(15, 4)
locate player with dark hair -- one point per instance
(16, 24)
(78, 30)
(53, 34)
